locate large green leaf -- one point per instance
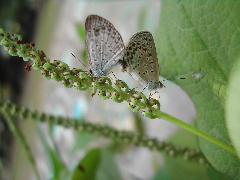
(201, 39)
(233, 107)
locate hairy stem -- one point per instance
(124, 137)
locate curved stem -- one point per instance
(119, 136)
(196, 132)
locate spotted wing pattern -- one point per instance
(140, 57)
(104, 43)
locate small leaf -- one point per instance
(88, 166)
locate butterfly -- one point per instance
(140, 60)
(104, 44)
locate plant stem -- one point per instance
(122, 137)
(197, 132)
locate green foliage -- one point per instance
(82, 140)
(201, 39)
(87, 167)
(108, 168)
(97, 164)
(233, 108)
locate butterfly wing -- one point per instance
(140, 57)
(104, 43)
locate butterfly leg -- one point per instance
(150, 95)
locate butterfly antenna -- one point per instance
(175, 78)
(161, 84)
(144, 88)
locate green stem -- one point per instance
(121, 137)
(196, 132)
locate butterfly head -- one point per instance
(155, 85)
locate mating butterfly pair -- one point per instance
(106, 49)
